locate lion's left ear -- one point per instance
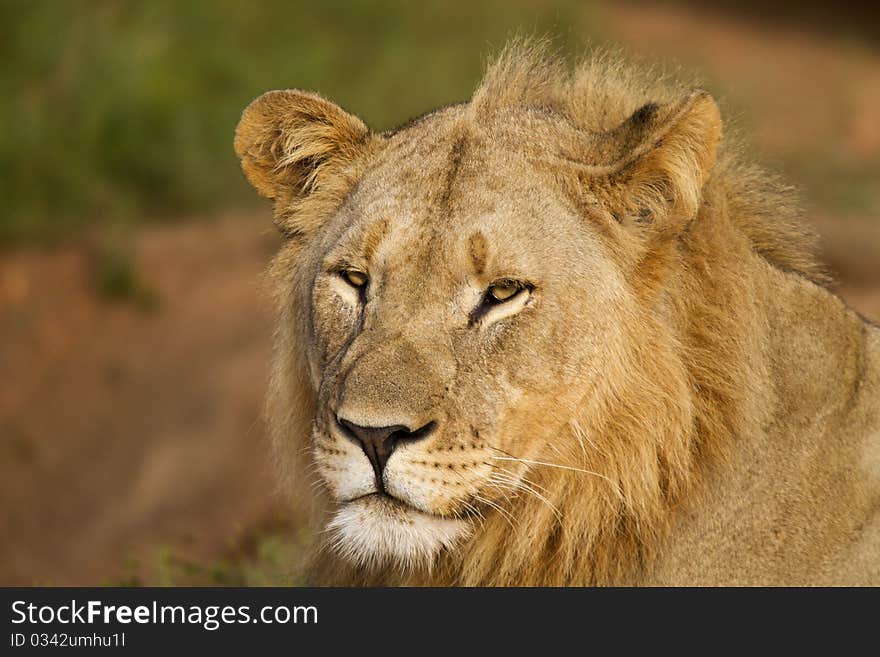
(292, 142)
(666, 153)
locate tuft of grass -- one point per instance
(116, 278)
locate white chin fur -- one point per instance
(374, 531)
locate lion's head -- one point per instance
(472, 312)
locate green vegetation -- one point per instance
(115, 278)
(267, 556)
(115, 111)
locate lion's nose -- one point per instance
(378, 443)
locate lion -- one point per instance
(563, 333)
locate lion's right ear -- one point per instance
(290, 142)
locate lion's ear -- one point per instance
(666, 153)
(289, 140)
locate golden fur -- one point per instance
(671, 397)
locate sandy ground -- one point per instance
(125, 431)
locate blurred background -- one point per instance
(134, 332)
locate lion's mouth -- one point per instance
(377, 528)
(381, 494)
(384, 501)
(382, 497)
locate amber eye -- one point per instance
(504, 290)
(503, 298)
(355, 278)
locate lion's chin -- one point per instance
(375, 531)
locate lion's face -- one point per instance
(461, 296)
(445, 360)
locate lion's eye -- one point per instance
(355, 278)
(502, 299)
(504, 290)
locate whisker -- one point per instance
(256, 421)
(576, 430)
(474, 510)
(517, 487)
(614, 486)
(502, 471)
(582, 435)
(556, 449)
(503, 512)
(465, 481)
(474, 513)
(524, 485)
(509, 491)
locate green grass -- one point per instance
(116, 279)
(115, 111)
(272, 555)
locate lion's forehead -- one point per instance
(429, 210)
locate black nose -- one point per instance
(378, 443)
